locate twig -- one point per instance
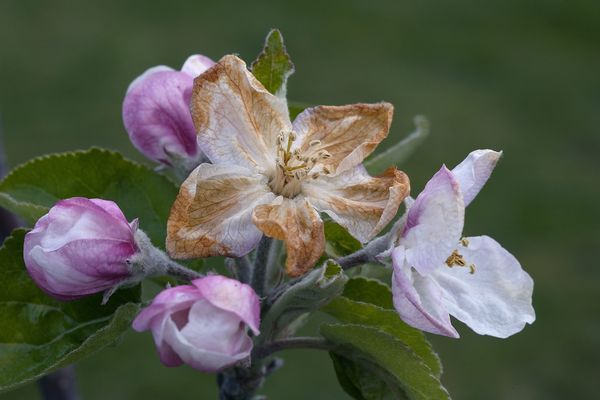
(306, 342)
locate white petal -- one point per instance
(146, 74)
(418, 299)
(434, 224)
(494, 300)
(474, 172)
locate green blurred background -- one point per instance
(521, 76)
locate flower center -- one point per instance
(458, 259)
(294, 166)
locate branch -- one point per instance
(307, 342)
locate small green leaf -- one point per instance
(40, 334)
(387, 357)
(399, 152)
(358, 381)
(309, 293)
(339, 241)
(273, 65)
(369, 291)
(32, 188)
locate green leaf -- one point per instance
(389, 358)
(273, 65)
(32, 188)
(369, 291)
(359, 382)
(308, 293)
(339, 241)
(40, 334)
(365, 314)
(399, 152)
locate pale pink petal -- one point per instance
(233, 296)
(236, 118)
(418, 299)
(202, 359)
(157, 117)
(494, 296)
(473, 172)
(434, 223)
(212, 214)
(196, 64)
(167, 301)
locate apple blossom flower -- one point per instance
(80, 247)
(156, 112)
(274, 177)
(203, 324)
(437, 274)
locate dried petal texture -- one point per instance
(297, 223)
(474, 279)
(236, 118)
(212, 214)
(349, 133)
(156, 112)
(80, 247)
(204, 324)
(312, 165)
(362, 204)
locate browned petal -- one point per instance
(297, 223)
(348, 133)
(361, 203)
(236, 118)
(212, 214)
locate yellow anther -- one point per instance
(315, 142)
(472, 269)
(455, 259)
(464, 242)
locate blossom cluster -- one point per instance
(252, 173)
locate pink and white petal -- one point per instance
(212, 214)
(362, 204)
(196, 65)
(146, 74)
(78, 218)
(236, 118)
(434, 223)
(111, 209)
(348, 133)
(493, 300)
(200, 358)
(157, 117)
(474, 171)
(232, 296)
(418, 299)
(296, 222)
(167, 355)
(166, 302)
(212, 329)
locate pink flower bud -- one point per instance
(80, 247)
(156, 112)
(204, 324)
